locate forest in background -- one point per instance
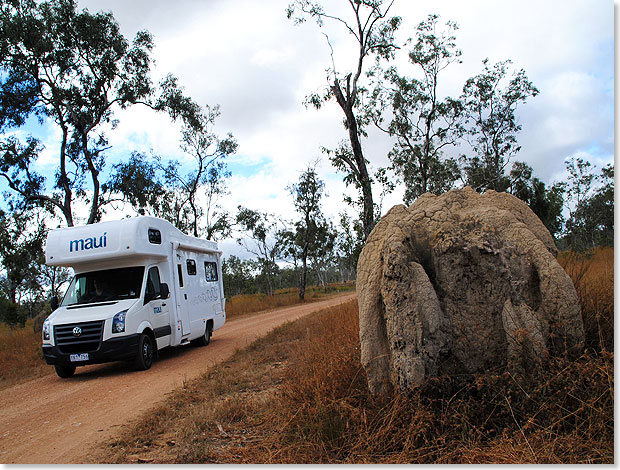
(72, 69)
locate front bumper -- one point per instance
(115, 349)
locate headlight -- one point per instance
(46, 330)
(118, 322)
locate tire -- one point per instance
(65, 371)
(205, 339)
(146, 353)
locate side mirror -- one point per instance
(54, 303)
(164, 290)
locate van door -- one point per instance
(159, 311)
(181, 297)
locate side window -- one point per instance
(152, 282)
(180, 269)
(154, 236)
(191, 267)
(211, 271)
(80, 290)
(80, 287)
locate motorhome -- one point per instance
(140, 285)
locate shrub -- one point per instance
(12, 314)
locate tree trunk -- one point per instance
(302, 284)
(341, 269)
(319, 276)
(359, 169)
(269, 282)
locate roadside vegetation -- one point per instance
(244, 304)
(300, 396)
(21, 358)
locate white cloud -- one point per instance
(247, 57)
(141, 129)
(269, 57)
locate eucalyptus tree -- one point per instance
(260, 237)
(491, 99)
(322, 256)
(72, 69)
(238, 275)
(348, 245)
(581, 179)
(590, 201)
(188, 198)
(423, 123)
(206, 178)
(546, 202)
(311, 226)
(138, 181)
(21, 249)
(373, 30)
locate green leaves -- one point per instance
(373, 31)
(75, 69)
(262, 239)
(137, 180)
(423, 123)
(491, 99)
(21, 250)
(187, 199)
(172, 100)
(546, 203)
(591, 220)
(313, 237)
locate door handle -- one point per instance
(163, 305)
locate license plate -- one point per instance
(78, 357)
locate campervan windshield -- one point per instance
(106, 285)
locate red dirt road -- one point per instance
(52, 420)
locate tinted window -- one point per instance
(191, 267)
(211, 271)
(180, 270)
(101, 286)
(152, 282)
(154, 236)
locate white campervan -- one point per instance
(140, 285)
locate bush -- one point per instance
(12, 314)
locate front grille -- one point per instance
(88, 341)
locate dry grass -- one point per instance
(21, 357)
(217, 411)
(300, 396)
(244, 304)
(593, 276)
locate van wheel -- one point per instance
(204, 339)
(65, 371)
(146, 353)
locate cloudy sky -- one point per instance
(258, 66)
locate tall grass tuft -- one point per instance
(593, 276)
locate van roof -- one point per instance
(135, 237)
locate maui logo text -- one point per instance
(88, 243)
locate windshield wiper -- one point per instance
(93, 304)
